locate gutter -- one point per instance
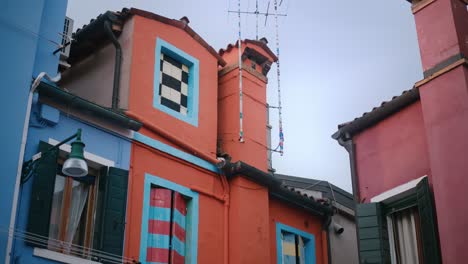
(86, 106)
(117, 65)
(276, 189)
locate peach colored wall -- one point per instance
(248, 222)
(392, 152)
(93, 77)
(146, 31)
(299, 219)
(254, 150)
(210, 228)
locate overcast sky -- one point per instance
(339, 59)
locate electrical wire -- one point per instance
(31, 32)
(58, 245)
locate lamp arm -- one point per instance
(28, 166)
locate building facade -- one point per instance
(182, 189)
(407, 155)
(29, 31)
(342, 239)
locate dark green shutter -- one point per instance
(373, 236)
(427, 218)
(41, 196)
(110, 225)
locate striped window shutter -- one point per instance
(159, 225)
(178, 229)
(289, 248)
(427, 216)
(41, 196)
(373, 235)
(301, 247)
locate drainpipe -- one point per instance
(350, 147)
(117, 65)
(17, 193)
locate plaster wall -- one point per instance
(280, 212)
(146, 31)
(343, 247)
(93, 77)
(445, 106)
(392, 152)
(146, 160)
(24, 55)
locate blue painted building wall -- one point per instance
(98, 142)
(28, 30)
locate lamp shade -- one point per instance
(75, 165)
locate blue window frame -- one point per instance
(188, 76)
(286, 235)
(191, 221)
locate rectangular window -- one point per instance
(173, 84)
(405, 236)
(294, 246)
(176, 77)
(71, 219)
(85, 216)
(169, 232)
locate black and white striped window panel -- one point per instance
(173, 84)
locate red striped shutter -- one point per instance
(178, 229)
(159, 225)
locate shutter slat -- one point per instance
(372, 231)
(111, 230)
(42, 194)
(427, 216)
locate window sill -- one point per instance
(60, 257)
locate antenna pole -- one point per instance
(239, 47)
(280, 119)
(256, 14)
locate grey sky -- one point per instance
(338, 59)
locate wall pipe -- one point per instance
(16, 193)
(177, 141)
(224, 182)
(117, 64)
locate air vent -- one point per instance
(66, 37)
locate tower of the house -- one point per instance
(442, 27)
(256, 62)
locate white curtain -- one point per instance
(407, 245)
(78, 201)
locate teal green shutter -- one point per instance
(427, 218)
(42, 193)
(373, 235)
(110, 225)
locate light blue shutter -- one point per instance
(289, 248)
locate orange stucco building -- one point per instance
(195, 193)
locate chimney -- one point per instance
(256, 61)
(442, 27)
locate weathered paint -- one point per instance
(284, 217)
(24, 55)
(98, 142)
(392, 152)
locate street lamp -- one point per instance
(74, 166)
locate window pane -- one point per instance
(405, 236)
(56, 212)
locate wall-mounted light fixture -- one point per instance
(74, 166)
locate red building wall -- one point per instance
(392, 152)
(299, 219)
(145, 33)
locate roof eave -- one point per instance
(347, 130)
